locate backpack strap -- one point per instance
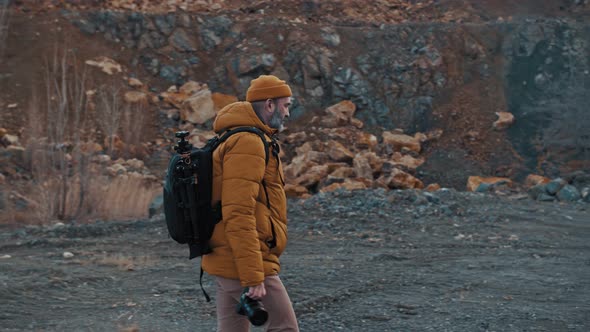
(254, 130)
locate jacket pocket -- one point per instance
(280, 236)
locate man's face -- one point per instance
(280, 110)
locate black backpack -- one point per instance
(187, 191)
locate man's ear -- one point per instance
(268, 105)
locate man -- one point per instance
(252, 234)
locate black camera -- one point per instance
(252, 309)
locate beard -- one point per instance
(276, 120)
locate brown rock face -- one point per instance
(400, 141)
(473, 182)
(505, 120)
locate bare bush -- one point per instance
(55, 127)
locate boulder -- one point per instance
(292, 190)
(399, 179)
(362, 166)
(536, 191)
(343, 172)
(568, 193)
(191, 87)
(406, 161)
(198, 108)
(312, 176)
(302, 162)
(8, 139)
(553, 186)
(473, 182)
(338, 152)
(432, 187)
(533, 180)
(505, 120)
(107, 65)
(348, 185)
(339, 114)
(366, 141)
(296, 138)
(585, 192)
(399, 141)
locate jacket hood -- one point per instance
(239, 114)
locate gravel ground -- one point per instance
(356, 261)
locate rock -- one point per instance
(312, 176)
(2, 179)
(136, 97)
(3, 132)
(67, 254)
(432, 187)
(337, 152)
(198, 108)
(533, 180)
(399, 179)
(181, 41)
(115, 170)
(330, 37)
(536, 191)
(134, 82)
(107, 65)
(473, 182)
(191, 87)
(135, 164)
(399, 141)
(585, 192)
(296, 138)
(504, 121)
(339, 114)
(348, 185)
(568, 193)
(156, 206)
(304, 161)
(172, 73)
(5, 257)
(366, 141)
(9, 139)
(406, 161)
(343, 172)
(362, 167)
(292, 190)
(554, 186)
(544, 197)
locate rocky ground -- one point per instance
(370, 260)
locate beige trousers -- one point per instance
(281, 317)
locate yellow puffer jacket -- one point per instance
(240, 240)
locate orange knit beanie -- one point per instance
(267, 87)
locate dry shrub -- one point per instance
(124, 197)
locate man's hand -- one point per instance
(256, 292)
